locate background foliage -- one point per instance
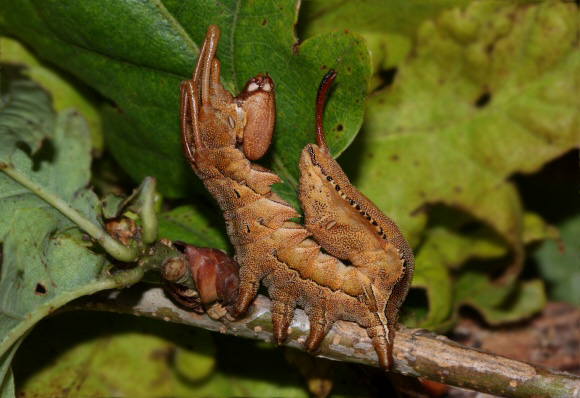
(469, 141)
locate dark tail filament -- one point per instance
(320, 99)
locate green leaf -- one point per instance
(57, 176)
(536, 229)
(444, 249)
(63, 164)
(196, 365)
(38, 257)
(113, 205)
(136, 54)
(203, 228)
(453, 248)
(26, 116)
(528, 299)
(46, 261)
(499, 303)
(65, 91)
(486, 93)
(403, 17)
(7, 388)
(557, 262)
(387, 26)
(434, 278)
(98, 354)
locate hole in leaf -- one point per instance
(40, 290)
(483, 100)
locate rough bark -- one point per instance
(417, 352)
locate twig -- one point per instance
(417, 352)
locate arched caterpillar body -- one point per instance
(221, 134)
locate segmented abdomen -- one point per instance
(272, 249)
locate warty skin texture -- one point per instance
(276, 251)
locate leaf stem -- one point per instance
(146, 210)
(113, 247)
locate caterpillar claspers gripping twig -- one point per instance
(222, 135)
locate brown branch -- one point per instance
(417, 352)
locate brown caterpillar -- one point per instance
(272, 249)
